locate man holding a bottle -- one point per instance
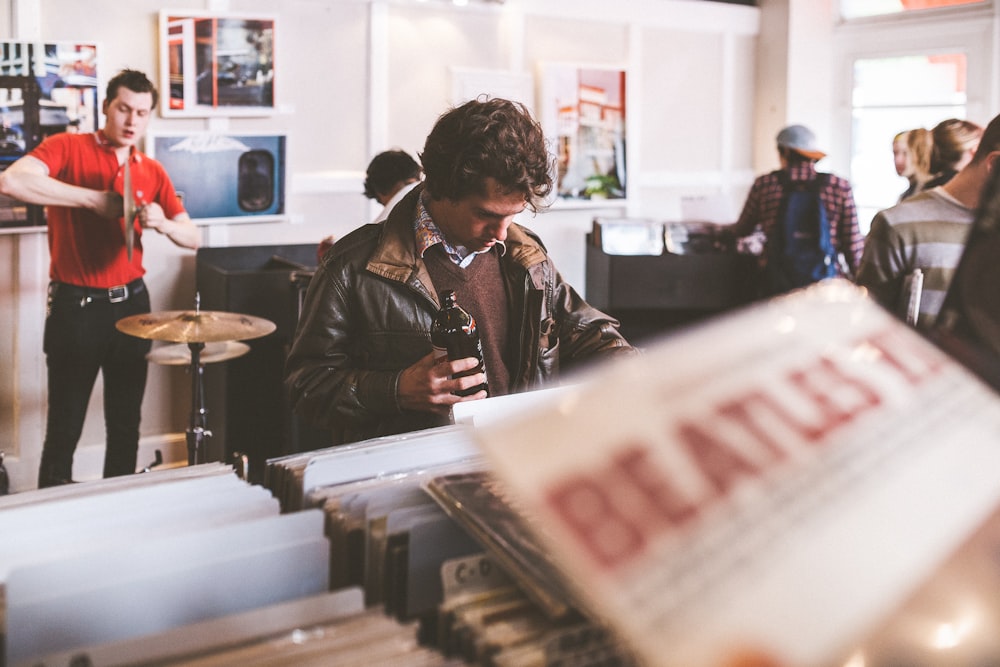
(362, 362)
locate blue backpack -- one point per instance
(800, 250)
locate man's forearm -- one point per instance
(182, 232)
(33, 187)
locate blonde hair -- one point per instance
(920, 146)
(953, 140)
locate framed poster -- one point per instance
(224, 177)
(45, 88)
(216, 64)
(583, 114)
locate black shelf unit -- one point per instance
(653, 294)
(245, 398)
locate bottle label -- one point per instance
(440, 353)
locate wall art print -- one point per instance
(216, 64)
(45, 88)
(225, 177)
(583, 114)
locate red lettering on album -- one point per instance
(838, 397)
(587, 509)
(615, 511)
(749, 410)
(654, 490)
(914, 363)
(721, 465)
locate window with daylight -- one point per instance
(853, 9)
(884, 103)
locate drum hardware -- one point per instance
(196, 328)
(158, 461)
(179, 354)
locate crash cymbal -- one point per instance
(179, 354)
(203, 326)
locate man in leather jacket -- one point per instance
(362, 364)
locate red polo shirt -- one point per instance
(84, 248)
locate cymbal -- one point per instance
(203, 326)
(179, 354)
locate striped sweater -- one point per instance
(927, 232)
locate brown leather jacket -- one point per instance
(367, 316)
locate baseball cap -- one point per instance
(800, 139)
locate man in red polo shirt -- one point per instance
(94, 281)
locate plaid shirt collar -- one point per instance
(428, 235)
(802, 171)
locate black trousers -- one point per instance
(80, 341)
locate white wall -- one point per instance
(357, 76)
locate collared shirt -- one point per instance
(764, 201)
(402, 192)
(428, 235)
(85, 248)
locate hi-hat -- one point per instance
(202, 326)
(179, 354)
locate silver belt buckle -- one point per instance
(117, 294)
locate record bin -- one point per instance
(652, 294)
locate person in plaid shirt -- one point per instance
(798, 154)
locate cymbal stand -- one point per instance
(198, 431)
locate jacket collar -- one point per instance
(395, 255)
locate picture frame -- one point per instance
(225, 176)
(583, 115)
(46, 87)
(216, 63)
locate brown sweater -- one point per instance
(479, 289)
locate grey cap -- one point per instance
(800, 139)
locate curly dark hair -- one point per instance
(388, 168)
(487, 138)
(135, 81)
(990, 141)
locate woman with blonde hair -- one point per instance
(919, 151)
(900, 153)
(955, 142)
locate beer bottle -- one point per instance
(454, 335)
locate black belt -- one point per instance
(115, 294)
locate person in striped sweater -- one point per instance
(927, 232)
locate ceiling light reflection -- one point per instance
(951, 635)
(946, 636)
(856, 660)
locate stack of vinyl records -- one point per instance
(415, 522)
(290, 478)
(320, 630)
(98, 562)
(510, 606)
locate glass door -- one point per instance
(892, 95)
